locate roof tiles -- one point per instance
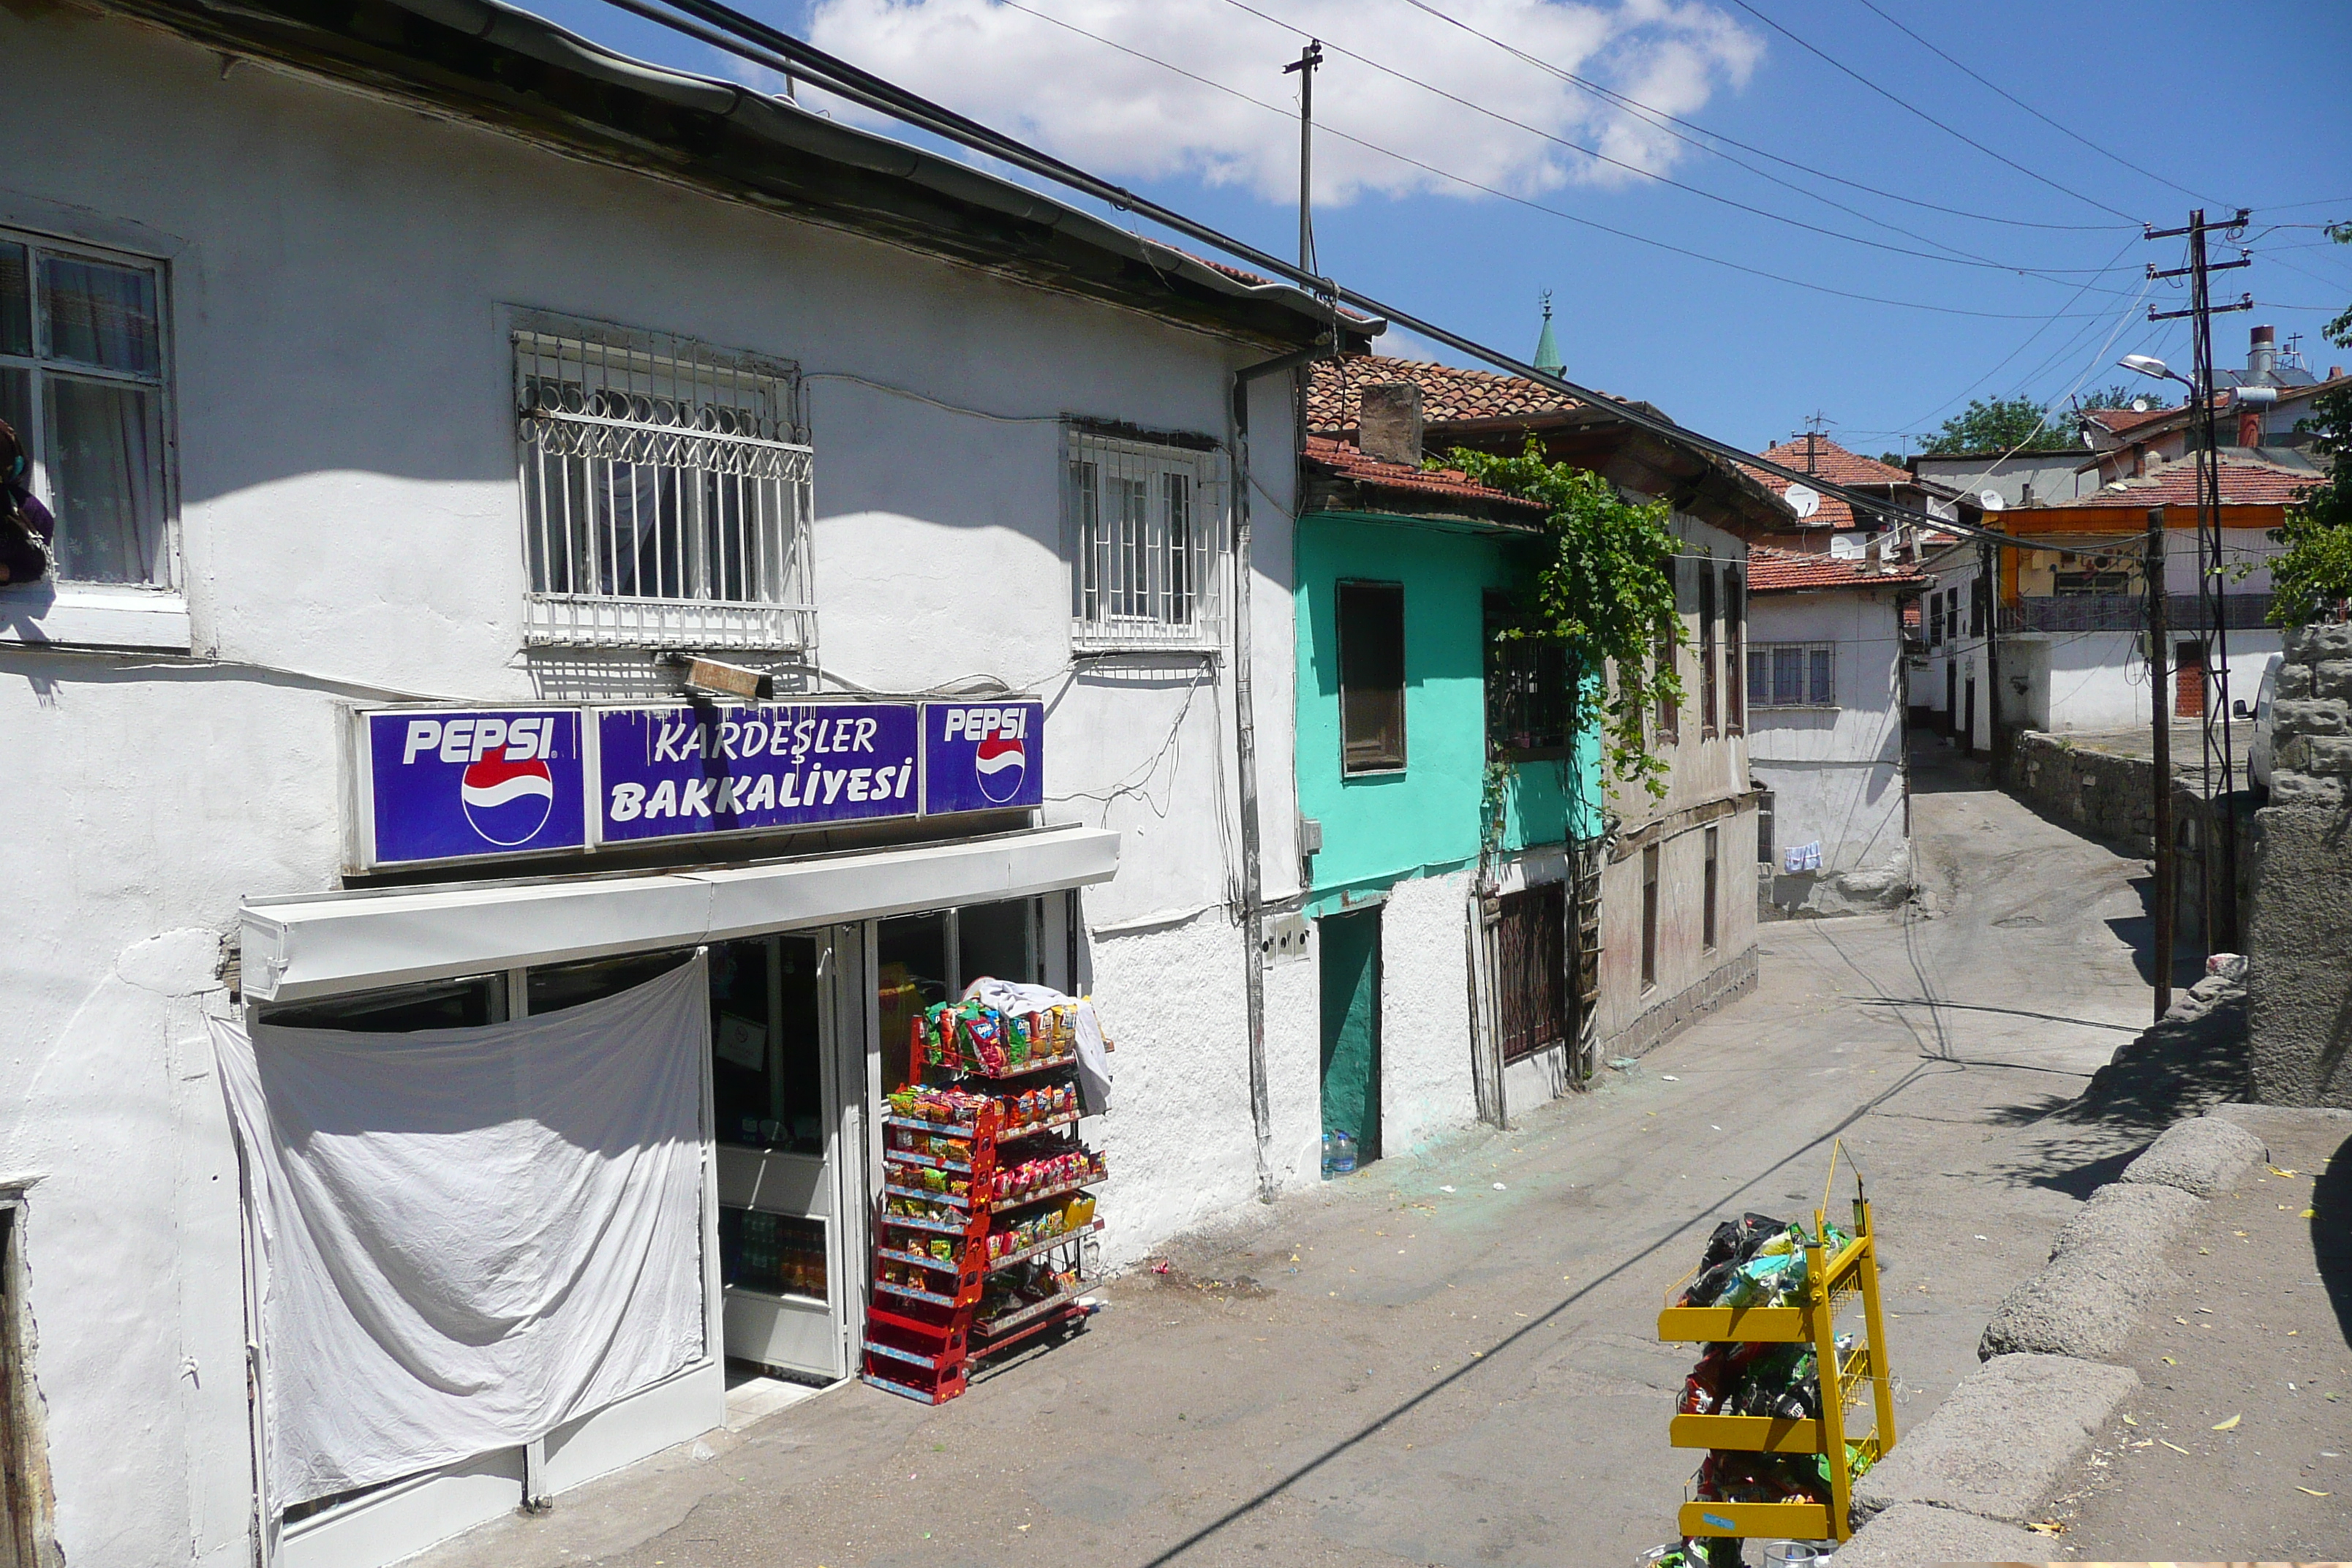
(1773, 571)
(2243, 484)
(1449, 394)
(1345, 461)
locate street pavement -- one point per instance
(1452, 1358)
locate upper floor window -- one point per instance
(1371, 618)
(1708, 672)
(1792, 675)
(1527, 690)
(1735, 645)
(83, 381)
(1145, 522)
(667, 493)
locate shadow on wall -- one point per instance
(2331, 1234)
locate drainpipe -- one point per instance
(1246, 748)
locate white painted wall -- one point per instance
(338, 268)
(1836, 775)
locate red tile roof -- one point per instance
(2243, 484)
(1344, 460)
(1820, 455)
(1771, 571)
(2123, 421)
(1449, 394)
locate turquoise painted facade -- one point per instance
(1381, 829)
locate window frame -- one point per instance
(1807, 651)
(39, 366)
(1709, 922)
(1523, 674)
(655, 366)
(1710, 698)
(1650, 872)
(1734, 650)
(1387, 762)
(1199, 461)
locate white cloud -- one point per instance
(1129, 119)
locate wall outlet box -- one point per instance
(1286, 939)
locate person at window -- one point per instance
(27, 528)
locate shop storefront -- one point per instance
(814, 966)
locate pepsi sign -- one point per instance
(444, 785)
(667, 773)
(984, 756)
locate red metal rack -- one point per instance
(924, 1328)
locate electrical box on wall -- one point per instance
(1286, 939)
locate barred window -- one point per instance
(666, 494)
(1145, 529)
(1792, 675)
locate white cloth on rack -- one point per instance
(471, 1235)
(1094, 1061)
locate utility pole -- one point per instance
(2152, 577)
(1305, 64)
(2221, 904)
(1989, 585)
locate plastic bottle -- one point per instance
(1343, 1154)
(1327, 1154)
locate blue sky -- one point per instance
(2238, 104)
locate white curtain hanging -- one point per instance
(470, 1235)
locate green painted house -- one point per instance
(1439, 794)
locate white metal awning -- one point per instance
(310, 945)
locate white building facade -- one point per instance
(375, 400)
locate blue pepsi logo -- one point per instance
(999, 765)
(506, 802)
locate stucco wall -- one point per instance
(338, 274)
(1691, 978)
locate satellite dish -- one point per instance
(2139, 406)
(1990, 500)
(1803, 500)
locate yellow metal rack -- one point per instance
(1829, 1282)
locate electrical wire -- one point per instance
(1469, 184)
(1664, 121)
(1909, 107)
(1953, 256)
(2116, 157)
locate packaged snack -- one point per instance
(943, 1250)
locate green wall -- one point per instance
(1382, 828)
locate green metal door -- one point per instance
(1352, 1028)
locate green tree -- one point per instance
(1604, 589)
(2122, 397)
(1993, 425)
(2312, 575)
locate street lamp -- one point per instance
(2148, 364)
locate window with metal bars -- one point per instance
(1531, 953)
(1527, 690)
(667, 490)
(1792, 675)
(1146, 527)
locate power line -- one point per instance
(1954, 256)
(1497, 192)
(1915, 110)
(734, 33)
(1665, 122)
(2094, 146)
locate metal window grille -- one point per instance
(1792, 675)
(666, 495)
(1532, 953)
(1145, 526)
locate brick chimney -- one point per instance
(1389, 423)
(2250, 425)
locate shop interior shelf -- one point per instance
(1031, 1129)
(1034, 1065)
(921, 1259)
(952, 1128)
(917, 1192)
(908, 1157)
(991, 1333)
(914, 1295)
(942, 1226)
(1051, 1242)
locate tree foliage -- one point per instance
(1993, 425)
(2312, 575)
(2122, 397)
(1604, 589)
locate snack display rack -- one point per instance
(977, 1238)
(1831, 1282)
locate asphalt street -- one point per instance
(1452, 1358)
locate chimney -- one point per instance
(2025, 493)
(1389, 426)
(2250, 425)
(2336, 373)
(2261, 354)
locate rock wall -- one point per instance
(2299, 932)
(2106, 796)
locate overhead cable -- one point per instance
(762, 44)
(1910, 108)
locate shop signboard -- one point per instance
(437, 785)
(667, 773)
(982, 756)
(447, 785)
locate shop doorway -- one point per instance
(1350, 945)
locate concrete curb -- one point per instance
(2104, 1263)
(1912, 1533)
(2201, 1156)
(1998, 1446)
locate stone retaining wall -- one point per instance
(2299, 929)
(2106, 796)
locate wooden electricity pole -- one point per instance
(2160, 708)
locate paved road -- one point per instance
(1450, 1360)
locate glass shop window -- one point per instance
(560, 986)
(767, 1027)
(402, 1009)
(774, 1254)
(911, 972)
(996, 940)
